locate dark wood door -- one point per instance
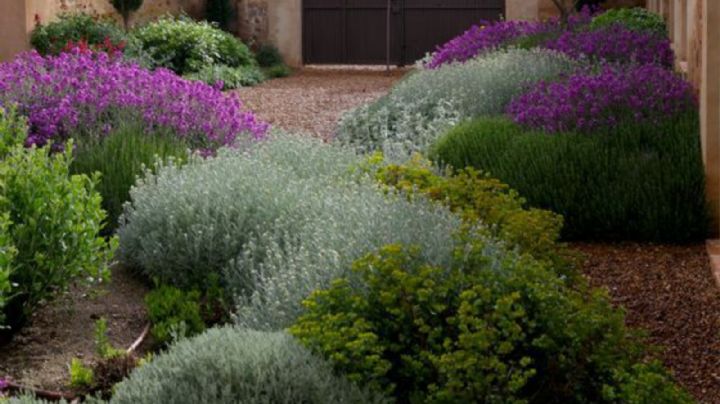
(355, 31)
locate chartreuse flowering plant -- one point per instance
(87, 93)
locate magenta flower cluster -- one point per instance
(481, 38)
(493, 35)
(588, 100)
(615, 43)
(86, 92)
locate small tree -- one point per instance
(126, 8)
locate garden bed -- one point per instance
(668, 290)
(38, 356)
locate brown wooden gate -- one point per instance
(355, 31)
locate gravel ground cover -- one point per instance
(669, 291)
(313, 99)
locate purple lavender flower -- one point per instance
(588, 100)
(91, 92)
(491, 35)
(615, 43)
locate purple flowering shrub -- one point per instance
(82, 92)
(589, 100)
(615, 43)
(493, 35)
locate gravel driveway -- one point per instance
(312, 100)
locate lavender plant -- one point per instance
(84, 92)
(591, 100)
(427, 103)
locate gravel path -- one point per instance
(669, 291)
(312, 100)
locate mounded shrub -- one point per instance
(477, 197)
(636, 18)
(604, 98)
(491, 36)
(615, 43)
(120, 156)
(50, 224)
(54, 37)
(82, 93)
(634, 181)
(492, 327)
(186, 46)
(230, 365)
(427, 103)
(273, 223)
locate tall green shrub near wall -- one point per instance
(634, 181)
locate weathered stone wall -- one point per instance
(252, 22)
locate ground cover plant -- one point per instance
(50, 221)
(90, 93)
(635, 18)
(195, 48)
(492, 327)
(427, 103)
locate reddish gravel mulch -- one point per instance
(313, 99)
(668, 290)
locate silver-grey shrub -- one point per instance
(233, 366)
(274, 223)
(428, 102)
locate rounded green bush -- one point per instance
(50, 223)
(491, 328)
(233, 366)
(186, 46)
(642, 181)
(53, 37)
(636, 18)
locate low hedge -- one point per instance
(640, 181)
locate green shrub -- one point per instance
(8, 252)
(54, 220)
(185, 46)
(268, 56)
(478, 198)
(638, 19)
(491, 328)
(427, 103)
(229, 365)
(231, 77)
(174, 313)
(635, 181)
(52, 38)
(273, 223)
(120, 156)
(277, 71)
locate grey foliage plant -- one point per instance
(231, 365)
(275, 222)
(429, 102)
